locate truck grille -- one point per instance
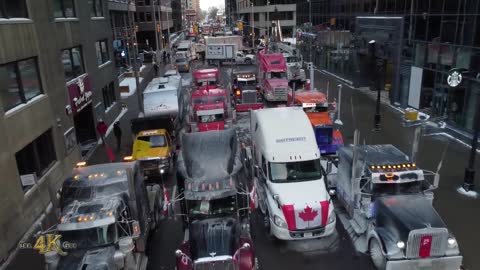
(280, 92)
(215, 265)
(438, 245)
(249, 96)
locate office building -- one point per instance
(417, 43)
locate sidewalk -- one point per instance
(459, 213)
(131, 101)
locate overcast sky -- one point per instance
(205, 4)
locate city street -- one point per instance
(318, 134)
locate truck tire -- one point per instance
(248, 61)
(376, 254)
(268, 225)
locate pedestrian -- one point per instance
(155, 67)
(102, 129)
(117, 131)
(168, 57)
(164, 56)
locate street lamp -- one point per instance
(312, 71)
(253, 27)
(268, 20)
(375, 68)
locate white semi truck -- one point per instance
(288, 178)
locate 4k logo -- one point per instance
(49, 242)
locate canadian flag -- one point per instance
(306, 216)
(166, 200)
(253, 197)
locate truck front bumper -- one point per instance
(154, 168)
(285, 234)
(443, 263)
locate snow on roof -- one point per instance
(132, 86)
(287, 134)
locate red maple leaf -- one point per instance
(308, 214)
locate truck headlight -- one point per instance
(279, 222)
(332, 218)
(401, 244)
(452, 242)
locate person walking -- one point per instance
(164, 56)
(155, 67)
(117, 131)
(102, 129)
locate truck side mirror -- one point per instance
(135, 229)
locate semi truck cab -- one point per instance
(272, 75)
(388, 200)
(289, 179)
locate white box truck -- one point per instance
(288, 179)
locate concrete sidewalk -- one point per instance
(459, 213)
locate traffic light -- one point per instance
(136, 28)
(158, 28)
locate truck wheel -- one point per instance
(248, 61)
(376, 254)
(267, 225)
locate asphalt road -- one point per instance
(336, 252)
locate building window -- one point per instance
(96, 8)
(63, 8)
(102, 52)
(13, 9)
(37, 157)
(109, 97)
(22, 82)
(148, 16)
(147, 2)
(72, 63)
(141, 17)
(140, 2)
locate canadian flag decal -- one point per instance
(425, 246)
(308, 214)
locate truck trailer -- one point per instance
(214, 194)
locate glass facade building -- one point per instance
(435, 37)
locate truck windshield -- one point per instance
(155, 141)
(217, 99)
(218, 207)
(211, 118)
(277, 75)
(295, 171)
(292, 59)
(247, 83)
(398, 189)
(90, 238)
(317, 108)
(205, 82)
(203, 100)
(323, 135)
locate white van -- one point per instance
(288, 177)
(161, 98)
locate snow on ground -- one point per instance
(243, 127)
(130, 82)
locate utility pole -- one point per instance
(253, 28)
(468, 180)
(135, 63)
(155, 27)
(268, 21)
(312, 71)
(377, 119)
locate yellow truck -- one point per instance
(154, 145)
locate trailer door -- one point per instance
(229, 52)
